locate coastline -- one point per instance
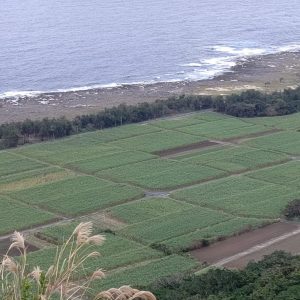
(266, 72)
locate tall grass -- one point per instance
(18, 281)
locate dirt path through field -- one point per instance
(237, 251)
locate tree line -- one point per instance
(250, 103)
(276, 277)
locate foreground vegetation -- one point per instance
(247, 104)
(20, 281)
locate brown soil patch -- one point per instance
(4, 245)
(241, 243)
(182, 149)
(291, 245)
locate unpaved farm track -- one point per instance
(237, 251)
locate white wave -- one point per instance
(289, 48)
(226, 61)
(20, 94)
(192, 65)
(240, 52)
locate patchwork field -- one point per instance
(156, 190)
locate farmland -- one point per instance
(222, 176)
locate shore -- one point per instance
(266, 73)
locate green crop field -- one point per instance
(32, 178)
(16, 215)
(161, 174)
(222, 129)
(148, 272)
(77, 195)
(282, 122)
(235, 158)
(285, 141)
(92, 165)
(147, 208)
(220, 230)
(286, 174)
(174, 224)
(158, 141)
(152, 204)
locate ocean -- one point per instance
(61, 45)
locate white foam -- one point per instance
(192, 65)
(240, 52)
(20, 94)
(289, 48)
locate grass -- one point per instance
(17, 216)
(161, 174)
(147, 208)
(174, 224)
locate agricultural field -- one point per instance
(222, 129)
(235, 158)
(161, 174)
(281, 122)
(285, 141)
(155, 190)
(17, 216)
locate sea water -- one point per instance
(48, 45)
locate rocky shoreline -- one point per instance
(267, 72)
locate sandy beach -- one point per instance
(266, 73)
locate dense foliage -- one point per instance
(275, 277)
(292, 211)
(247, 104)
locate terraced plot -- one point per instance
(17, 216)
(81, 194)
(161, 174)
